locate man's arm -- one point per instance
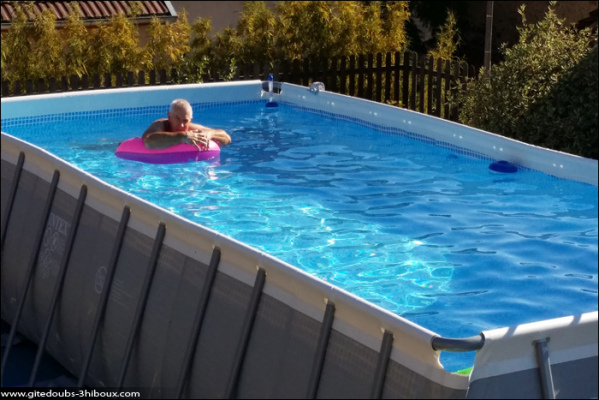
(218, 135)
(155, 137)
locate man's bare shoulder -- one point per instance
(157, 126)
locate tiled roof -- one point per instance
(92, 11)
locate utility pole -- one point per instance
(488, 37)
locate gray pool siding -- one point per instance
(283, 341)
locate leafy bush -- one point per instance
(315, 30)
(544, 93)
(566, 118)
(447, 39)
(295, 29)
(327, 29)
(168, 44)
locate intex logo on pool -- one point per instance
(99, 279)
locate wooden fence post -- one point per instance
(275, 71)
(369, 78)
(52, 85)
(97, 82)
(332, 75)
(429, 104)
(405, 79)
(343, 76)
(28, 86)
(352, 75)
(305, 73)
(107, 80)
(361, 76)
(414, 57)
(40, 86)
(456, 78)
(296, 78)
(64, 84)
(396, 96)
(265, 71)
(438, 88)
(74, 81)
(446, 96)
(379, 79)
(388, 68)
(421, 83)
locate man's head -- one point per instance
(180, 115)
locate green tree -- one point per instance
(530, 95)
(17, 46)
(75, 41)
(46, 52)
(326, 29)
(256, 30)
(199, 49)
(371, 30)
(224, 53)
(447, 39)
(296, 30)
(397, 14)
(305, 29)
(115, 46)
(433, 14)
(168, 44)
(350, 18)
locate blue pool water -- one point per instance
(426, 232)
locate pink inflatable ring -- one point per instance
(134, 149)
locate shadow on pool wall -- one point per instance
(150, 300)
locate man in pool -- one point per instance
(177, 128)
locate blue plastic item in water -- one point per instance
(271, 103)
(503, 166)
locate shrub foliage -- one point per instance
(544, 93)
(294, 30)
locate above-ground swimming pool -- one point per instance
(427, 232)
(418, 226)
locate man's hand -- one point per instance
(201, 138)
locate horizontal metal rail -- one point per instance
(458, 345)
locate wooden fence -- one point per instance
(406, 80)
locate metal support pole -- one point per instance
(542, 353)
(321, 350)
(30, 269)
(488, 39)
(59, 284)
(11, 195)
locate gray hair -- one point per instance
(180, 103)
